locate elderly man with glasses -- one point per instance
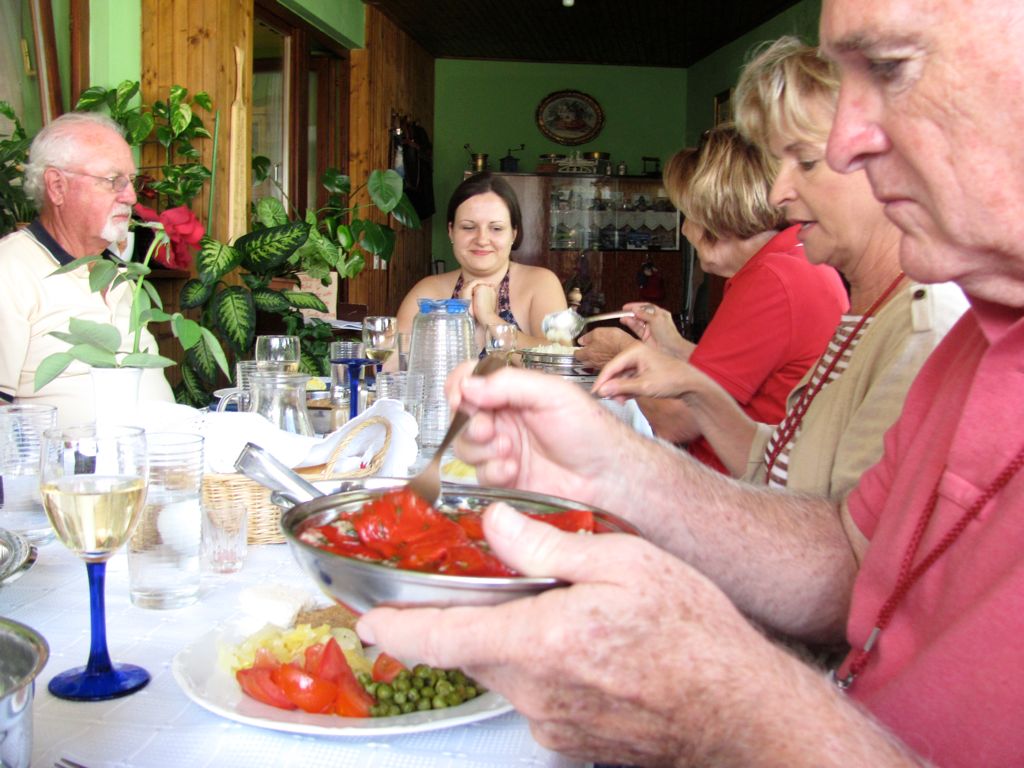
(80, 174)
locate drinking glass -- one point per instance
(380, 338)
(93, 485)
(501, 337)
(351, 355)
(278, 353)
(21, 433)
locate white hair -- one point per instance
(57, 145)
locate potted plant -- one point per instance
(174, 125)
(332, 239)
(101, 345)
(15, 207)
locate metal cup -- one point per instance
(23, 654)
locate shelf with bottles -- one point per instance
(611, 213)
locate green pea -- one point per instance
(394, 709)
(408, 707)
(401, 684)
(413, 694)
(399, 698)
(439, 702)
(444, 687)
(384, 691)
(471, 692)
(428, 692)
(423, 705)
(453, 699)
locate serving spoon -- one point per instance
(563, 327)
(427, 484)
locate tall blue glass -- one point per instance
(93, 485)
(351, 355)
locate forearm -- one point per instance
(719, 419)
(782, 558)
(670, 419)
(794, 717)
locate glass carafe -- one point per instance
(442, 337)
(281, 398)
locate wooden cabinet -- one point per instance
(614, 237)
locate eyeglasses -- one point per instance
(117, 183)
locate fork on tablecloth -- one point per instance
(64, 762)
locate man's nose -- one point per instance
(856, 133)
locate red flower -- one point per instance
(184, 230)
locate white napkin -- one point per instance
(227, 433)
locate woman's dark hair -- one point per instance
(480, 184)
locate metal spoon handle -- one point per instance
(427, 484)
(608, 316)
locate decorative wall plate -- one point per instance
(569, 117)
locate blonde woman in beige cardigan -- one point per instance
(837, 415)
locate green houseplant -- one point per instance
(174, 124)
(335, 238)
(15, 207)
(100, 345)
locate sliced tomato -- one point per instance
(472, 523)
(258, 683)
(571, 520)
(266, 658)
(352, 699)
(386, 668)
(314, 654)
(308, 692)
(332, 663)
(471, 560)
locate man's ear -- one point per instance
(55, 185)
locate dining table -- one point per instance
(161, 726)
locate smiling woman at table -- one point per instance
(485, 226)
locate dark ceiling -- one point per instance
(648, 33)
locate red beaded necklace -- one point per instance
(909, 573)
(795, 417)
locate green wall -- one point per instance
(342, 20)
(115, 41)
(491, 106)
(720, 70)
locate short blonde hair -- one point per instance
(722, 186)
(779, 89)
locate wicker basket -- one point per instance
(231, 491)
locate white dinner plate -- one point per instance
(210, 686)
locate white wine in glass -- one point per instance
(278, 353)
(93, 486)
(93, 514)
(380, 337)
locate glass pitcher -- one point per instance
(442, 337)
(281, 398)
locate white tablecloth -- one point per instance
(159, 726)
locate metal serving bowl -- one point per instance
(23, 654)
(564, 364)
(361, 585)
